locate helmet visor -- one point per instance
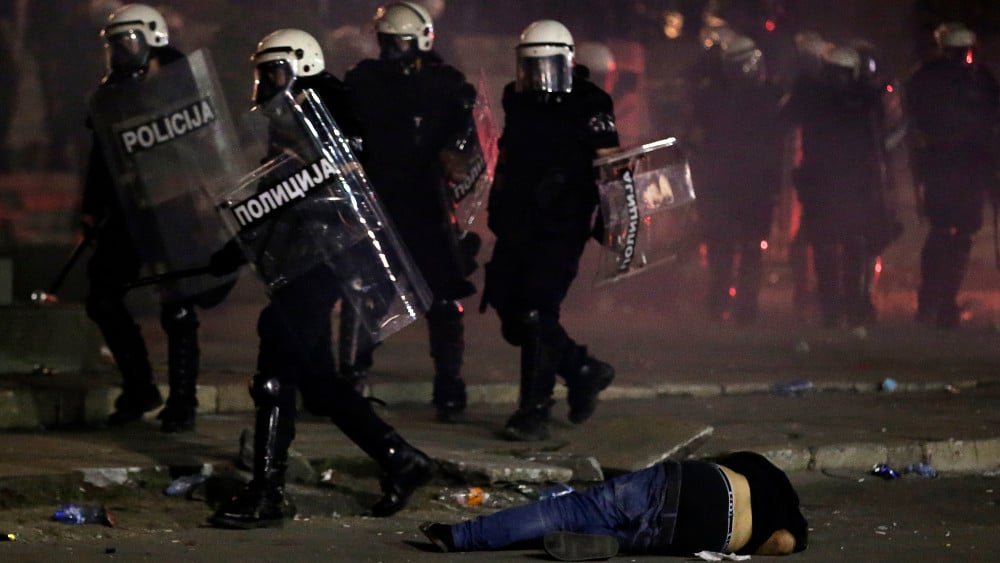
(395, 47)
(127, 51)
(271, 78)
(553, 73)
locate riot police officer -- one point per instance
(294, 329)
(839, 183)
(737, 171)
(416, 113)
(137, 46)
(540, 209)
(953, 102)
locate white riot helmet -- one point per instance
(130, 33)
(404, 29)
(280, 58)
(545, 58)
(956, 42)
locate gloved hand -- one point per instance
(227, 260)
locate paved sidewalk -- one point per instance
(681, 381)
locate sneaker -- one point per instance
(569, 546)
(440, 535)
(131, 405)
(528, 425)
(594, 377)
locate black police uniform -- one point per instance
(954, 109)
(116, 262)
(296, 355)
(736, 166)
(412, 111)
(540, 209)
(839, 184)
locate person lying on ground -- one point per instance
(740, 503)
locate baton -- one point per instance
(43, 297)
(168, 276)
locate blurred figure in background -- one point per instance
(953, 103)
(840, 183)
(736, 166)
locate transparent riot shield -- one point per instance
(168, 141)
(470, 167)
(310, 206)
(646, 198)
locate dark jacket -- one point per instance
(408, 119)
(544, 182)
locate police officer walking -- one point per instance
(737, 171)
(540, 210)
(295, 331)
(137, 47)
(953, 102)
(840, 183)
(416, 114)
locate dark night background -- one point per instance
(51, 58)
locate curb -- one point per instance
(39, 406)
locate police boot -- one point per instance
(405, 469)
(122, 336)
(444, 323)
(181, 326)
(949, 315)
(538, 376)
(826, 261)
(934, 263)
(585, 378)
(262, 502)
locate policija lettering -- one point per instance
(296, 185)
(632, 208)
(165, 128)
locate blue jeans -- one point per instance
(627, 507)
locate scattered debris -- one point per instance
(84, 514)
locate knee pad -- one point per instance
(267, 391)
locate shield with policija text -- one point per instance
(168, 142)
(310, 206)
(646, 198)
(475, 160)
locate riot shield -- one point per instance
(168, 141)
(310, 206)
(646, 198)
(469, 168)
